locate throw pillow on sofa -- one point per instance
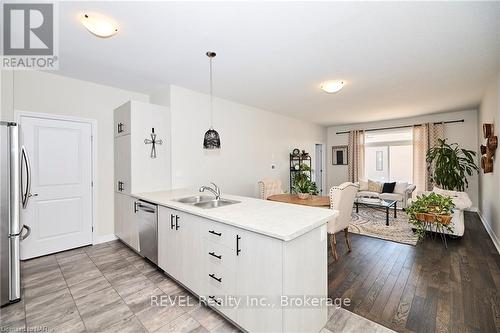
(374, 186)
(400, 188)
(388, 187)
(363, 185)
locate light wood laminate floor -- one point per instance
(108, 288)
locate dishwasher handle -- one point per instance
(143, 208)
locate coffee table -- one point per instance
(377, 204)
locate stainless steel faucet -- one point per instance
(215, 190)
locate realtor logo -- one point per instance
(29, 36)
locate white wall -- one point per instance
(465, 134)
(54, 94)
(252, 140)
(489, 184)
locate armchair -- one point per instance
(268, 187)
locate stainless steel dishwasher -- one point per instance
(147, 219)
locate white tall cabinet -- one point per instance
(135, 170)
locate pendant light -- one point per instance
(212, 138)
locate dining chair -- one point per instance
(268, 187)
(341, 199)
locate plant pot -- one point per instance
(303, 195)
(425, 217)
(443, 219)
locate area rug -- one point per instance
(371, 222)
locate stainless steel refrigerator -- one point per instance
(11, 201)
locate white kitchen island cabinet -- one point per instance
(252, 278)
(179, 247)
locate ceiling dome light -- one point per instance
(99, 25)
(332, 87)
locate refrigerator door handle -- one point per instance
(26, 195)
(28, 232)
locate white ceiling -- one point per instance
(399, 59)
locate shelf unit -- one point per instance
(299, 160)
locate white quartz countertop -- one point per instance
(274, 219)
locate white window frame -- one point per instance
(387, 144)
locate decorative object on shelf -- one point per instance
(431, 212)
(212, 138)
(304, 155)
(488, 150)
(153, 142)
(296, 152)
(449, 165)
(340, 155)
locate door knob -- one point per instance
(32, 194)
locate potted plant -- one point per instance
(304, 187)
(428, 210)
(450, 165)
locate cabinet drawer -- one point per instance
(218, 255)
(219, 273)
(220, 234)
(225, 303)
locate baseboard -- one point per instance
(493, 237)
(104, 238)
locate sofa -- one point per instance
(462, 202)
(402, 192)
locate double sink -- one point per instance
(206, 202)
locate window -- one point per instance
(389, 155)
(380, 160)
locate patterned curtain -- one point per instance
(356, 155)
(425, 136)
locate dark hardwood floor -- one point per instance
(423, 288)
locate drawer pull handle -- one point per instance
(171, 221)
(215, 278)
(215, 300)
(238, 250)
(215, 233)
(120, 127)
(214, 255)
(176, 222)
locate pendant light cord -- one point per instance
(211, 97)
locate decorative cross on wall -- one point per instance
(153, 142)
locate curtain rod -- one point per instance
(406, 126)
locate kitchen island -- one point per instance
(261, 264)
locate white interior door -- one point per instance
(59, 210)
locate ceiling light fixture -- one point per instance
(212, 138)
(332, 87)
(99, 25)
